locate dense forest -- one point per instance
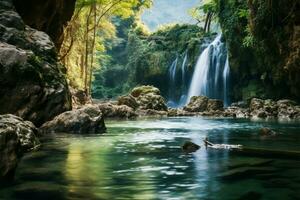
(149, 99)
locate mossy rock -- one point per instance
(143, 90)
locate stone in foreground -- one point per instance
(190, 147)
(25, 130)
(16, 136)
(86, 120)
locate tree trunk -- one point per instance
(87, 51)
(92, 48)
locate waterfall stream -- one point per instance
(211, 74)
(174, 100)
(172, 82)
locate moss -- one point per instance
(144, 89)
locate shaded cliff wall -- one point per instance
(263, 38)
(32, 81)
(49, 16)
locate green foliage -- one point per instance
(259, 35)
(146, 57)
(248, 40)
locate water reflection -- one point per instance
(143, 160)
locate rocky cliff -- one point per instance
(264, 41)
(32, 82)
(49, 16)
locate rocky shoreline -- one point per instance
(18, 136)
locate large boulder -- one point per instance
(144, 98)
(197, 104)
(86, 120)
(25, 130)
(190, 147)
(152, 101)
(143, 90)
(32, 83)
(10, 150)
(110, 110)
(16, 136)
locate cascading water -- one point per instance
(184, 85)
(211, 75)
(183, 68)
(172, 79)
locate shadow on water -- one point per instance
(143, 160)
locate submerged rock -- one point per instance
(16, 136)
(266, 132)
(86, 120)
(190, 147)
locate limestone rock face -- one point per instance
(49, 16)
(32, 83)
(85, 120)
(16, 136)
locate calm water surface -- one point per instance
(143, 160)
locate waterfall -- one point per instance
(172, 79)
(178, 92)
(183, 68)
(226, 81)
(211, 74)
(183, 96)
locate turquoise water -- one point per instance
(143, 160)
